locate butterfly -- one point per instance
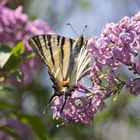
(67, 61)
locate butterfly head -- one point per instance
(80, 40)
(78, 44)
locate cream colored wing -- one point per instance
(81, 65)
(55, 52)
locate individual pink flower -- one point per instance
(138, 67)
(133, 85)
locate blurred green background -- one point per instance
(120, 120)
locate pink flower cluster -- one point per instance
(15, 26)
(118, 46)
(78, 109)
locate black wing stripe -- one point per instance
(62, 49)
(48, 40)
(50, 49)
(38, 49)
(58, 40)
(35, 43)
(71, 43)
(71, 60)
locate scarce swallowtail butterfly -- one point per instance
(67, 61)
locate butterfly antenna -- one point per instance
(84, 29)
(72, 29)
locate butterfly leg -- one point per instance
(65, 99)
(52, 97)
(56, 93)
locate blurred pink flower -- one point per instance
(15, 26)
(20, 128)
(133, 85)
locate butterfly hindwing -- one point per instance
(83, 62)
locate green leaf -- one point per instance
(19, 49)
(5, 105)
(133, 121)
(36, 124)
(15, 57)
(10, 131)
(5, 53)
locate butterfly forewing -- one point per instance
(55, 51)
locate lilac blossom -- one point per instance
(79, 109)
(118, 46)
(138, 67)
(3, 136)
(133, 85)
(118, 43)
(15, 26)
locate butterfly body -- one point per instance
(67, 61)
